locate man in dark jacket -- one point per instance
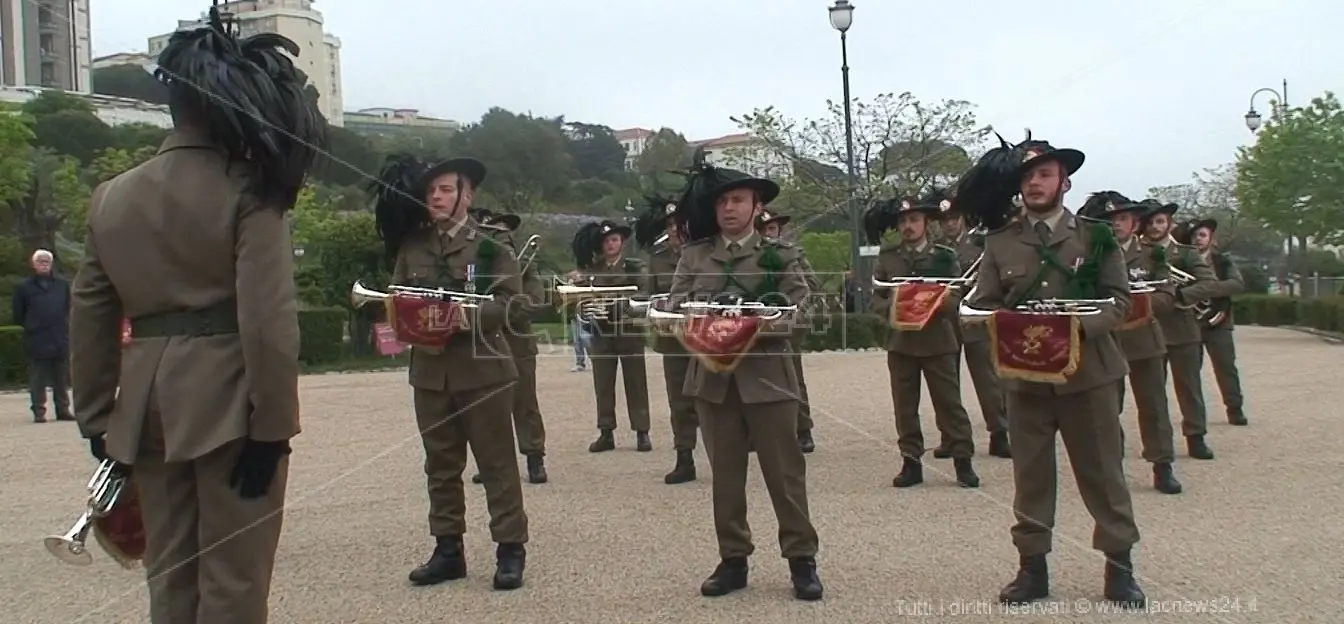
(42, 308)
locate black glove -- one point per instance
(98, 447)
(255, 470)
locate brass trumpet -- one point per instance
(755, 308)
(1146, 286)
(1201, 309)
(1049, 307)
(528, 251)
(646, 305)
(361, 296)
(967, 278)
(594, 302)
(104, 489)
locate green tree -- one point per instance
(901, 145)
(52, 101)
(113, 161)
(828, 253)
(129, 81)
(1292, 178)
(526, 158)
(1212, 195)
(73, 133)
(15, 141)
(665, 152)
(55, 195)
(133, 136)
(351, 159)
(594, 150)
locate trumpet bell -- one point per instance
(361, 296)
(68, 550)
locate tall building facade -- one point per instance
(45, 43)
(319, 52)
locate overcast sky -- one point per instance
(1151, 90)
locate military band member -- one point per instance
(755, 405)
(771, 225)
(527, 423)
(1217, 336)
(463, 389)
(616, 342)
(930, 350)
(1045, 254)
(194, 248)
(656, 231)
(974, 338)
(1185, 355)
(1141, 338)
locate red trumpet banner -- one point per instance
(122, 531)
(1044, 348)
(424, 322)
(719, 342)
(915, 304)
(1140, 311)
(385, 340)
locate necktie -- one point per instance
(1043, 231)
(733, 247)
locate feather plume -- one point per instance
(880, 217)
(651, 223)
(250, 99)
(985, 192)
(1096, 205)
(694, 216)
(397, 206)
(587, 244)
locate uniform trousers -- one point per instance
(1185, 362)
(627, 352)
(450, 422)
(942, 373)
(1148, 377)
(685, 420)
(1222, 348)
(1089, 423)
(732, 429)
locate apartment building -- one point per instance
(388, 121)
(45, 43)
(319, 52)
(737, 151)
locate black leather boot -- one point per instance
(728, 577)
(67, 416)
(446, 563)
(1031, 584)
(941, 452)
(912, 473)
(1120, 585)
(1197, 448)
(805, 442)
(998, 445)
(966, 476)
(642, 442)
(510, 559)
(1164, 479)
(536, 468)
(604, 442)
(1236, 416)
(40, 415)
(684, 471)
(803, 573)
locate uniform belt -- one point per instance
(213, 321)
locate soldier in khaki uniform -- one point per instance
(1141, 339)
(1048, 253)
(194, 248)
(527, 422)
(930, 351)
(617, 341)
(771, 225)
(754, 406)
(1185, 355)
(975, 340)
(1218, 339)
(463, 390)
(656, 231)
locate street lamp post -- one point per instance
(842, 17)
(1253, 118)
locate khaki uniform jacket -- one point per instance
(623, 272)
(428, 259)
(766, 374)
(1146, 341)
(939, 337)
(1179, 326)
(1229, 281)
(175, 234)
(658, 280)
(1012, 261)
(530, 305)
(969, 249)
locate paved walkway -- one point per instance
(1256, 537)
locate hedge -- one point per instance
(13, 362)
(322, 335)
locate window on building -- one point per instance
(47, 43)
(49, 74)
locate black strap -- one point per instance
(215, 320)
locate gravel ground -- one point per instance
(1255, 538)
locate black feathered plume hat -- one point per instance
(704, 184)
(470, 168)
(769, 216)
(1102, 204)
(886, 214)
(249, 99)
(489, 217)
(651, 223)
(985, 192)
(588, 241)
(398, 206)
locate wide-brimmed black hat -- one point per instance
(730, 179)
(930, 207)
(767, 217)
(510, 221)
(1035, 152)
(1184, 232)
(611, 227)
(473, 169)
(1153, 206)
(1102, 204)
(1211, 224)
